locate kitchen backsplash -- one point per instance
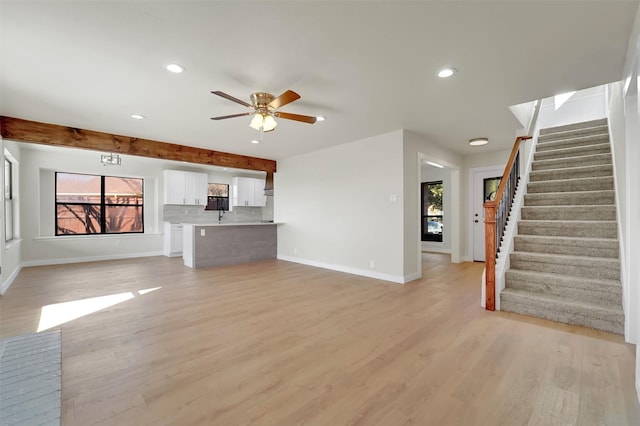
(197, 214)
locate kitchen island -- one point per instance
(218, 244)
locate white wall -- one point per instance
(631, 79)
(10, 257)
(338, 209)
(585, 105)
(430, 174)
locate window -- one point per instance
(8, 200)
(432, 225)
(217, 196)
(90, 204)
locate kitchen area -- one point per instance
(218, 219)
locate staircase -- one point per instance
(565, 264)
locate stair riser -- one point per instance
(589, 127)
(560, 313)
(561, 163)
(587, 295)
(521, 244)
(569, 213)
(596, 184)
(586, 230)
(593, 271)
(570, 199)
(577, 173)
(603, 148)
(570, 143)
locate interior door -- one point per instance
(483, 183)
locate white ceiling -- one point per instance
(369, 67)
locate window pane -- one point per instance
(76, 188)
(218, 190)
(119, 190)
(7, 180)
(78, 219)
(434, 198)
(8, 220)
(123, 219)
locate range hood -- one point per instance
(268, 185)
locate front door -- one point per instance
(485, 184)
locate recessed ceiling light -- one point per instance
(446, 72)
(175, 68)
(478, 141)
(137, 116)
(255, 141)
(320, 118)
(225, 168)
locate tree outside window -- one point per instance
(432, 217)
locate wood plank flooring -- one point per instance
(276, 343)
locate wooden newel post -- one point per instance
(490, 254)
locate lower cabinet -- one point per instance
(172, 239)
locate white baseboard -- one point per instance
(89, 259)
(5, 285)
(355, 271)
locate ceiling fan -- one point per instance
(265, 109)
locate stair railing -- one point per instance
(496, 214)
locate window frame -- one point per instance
(103, 206)
(8, 199)
(216, 199)
(425, 235)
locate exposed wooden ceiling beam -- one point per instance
(20, 130)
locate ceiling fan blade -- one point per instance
(286, 98)
(231, 116)
(296, 117)
(231, 98)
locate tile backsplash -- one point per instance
(197, 214)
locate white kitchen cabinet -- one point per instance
(188, 188)
(173, 234)
(247, 192)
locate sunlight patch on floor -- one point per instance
(60, 313)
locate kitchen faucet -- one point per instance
(220, 214)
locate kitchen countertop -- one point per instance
(232, 223)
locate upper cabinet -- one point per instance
(248, 192)
(188, 188)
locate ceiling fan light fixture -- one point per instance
(269, 123)
(478, 141)
(256, 121)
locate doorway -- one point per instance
(484, 183)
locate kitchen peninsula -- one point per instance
(216, 244)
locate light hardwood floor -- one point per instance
(276, 343)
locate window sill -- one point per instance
(95, 237)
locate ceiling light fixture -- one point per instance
(440, 166)
(263, 121)
(137, 116)
(320, 118)
(478, 141)
(175, 68)
(110, 160)
(446, 72)
(255, 141)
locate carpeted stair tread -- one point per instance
(575, 151)
(579, 266)
(566, 162)
(590, 126)
(571, 185)
(575, 198)
(575, 246)
(577, 288)
(569, 228)
(571, 173)
(584, 212)
(571, 142)
(602, 316)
